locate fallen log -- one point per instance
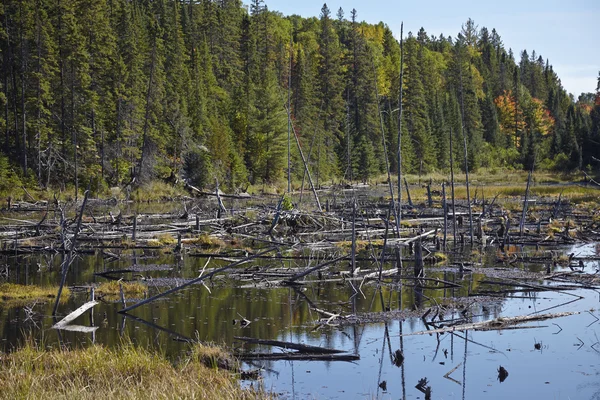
(297, 357)
(301, 348)
(494, 324)
(62, 324)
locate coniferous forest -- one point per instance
(125, 91)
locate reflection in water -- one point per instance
(287, 313)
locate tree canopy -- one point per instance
(119, 91)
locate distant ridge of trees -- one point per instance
(115, 91)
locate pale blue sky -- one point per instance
(565, 32)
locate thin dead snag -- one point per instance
(67, 262)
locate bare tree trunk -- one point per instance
(305, 163)
(452, 187)
(353, 256)
(445, 210)
(147, 114)
(525, 203)
(385, 154)
(468, 194)
(289, 108)
(399, 151)
(38, 133)
(74, 131)
(23, 109)
(462, 127)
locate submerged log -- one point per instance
(297, 357)
(301, 348)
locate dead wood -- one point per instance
(301, 348)
(63, 323)
(494, 324)
(294, 278)
(297, 357)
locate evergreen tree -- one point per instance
(330, 90)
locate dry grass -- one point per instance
(15, 294)
(126, 372)
(162, 239)
(157, 190)
(206, 241)
(112, 288)
(360, 244)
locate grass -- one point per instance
(162, 239)
(360, 244)
(206, 241)
(112, 288)
(16, 294)
(157, 190)
(126, 372)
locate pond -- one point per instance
(556, 358)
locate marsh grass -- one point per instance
(112, 288)
(157, 190)
(14, 294)
(360, 244)
(162, 239)
(124, 372)
(206, 241)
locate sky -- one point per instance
(564, 32)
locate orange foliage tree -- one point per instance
(510, 115)
(539, 118)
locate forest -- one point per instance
(122, 92)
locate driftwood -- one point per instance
(494, 324)
(64, 323)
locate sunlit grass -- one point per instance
(157, 190)
(125, 372)
(162, 239)
(206, 241)
(114, 288)
(15, 294)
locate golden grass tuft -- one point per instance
(129, 288)
(16, 294)
(206, 241)
(164, 239)
(126, 372)
(440, 257)
(360, 244)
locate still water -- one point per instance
(554, 359)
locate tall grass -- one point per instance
(114, 288)
(125, 372)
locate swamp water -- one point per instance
(552, 359)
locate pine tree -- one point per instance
(330, 90)
(415, 107)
